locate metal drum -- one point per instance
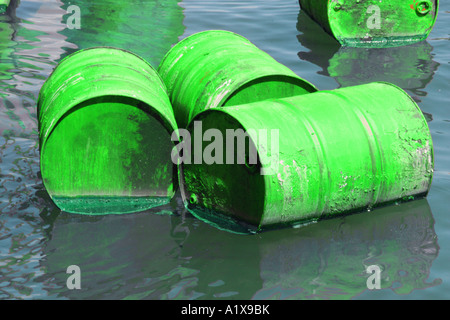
(309, 157)
(217, 68)
(374, 23)
(105, 126)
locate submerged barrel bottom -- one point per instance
(108, 205)
(109, 155)
(380, 42)
(225, 192)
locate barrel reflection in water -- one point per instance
(329, 260)
(152, 256)
(120, 257)
(410, 67)
(148, 28)
(7, 29)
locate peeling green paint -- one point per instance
(340, 151)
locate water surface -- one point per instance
(165, 253)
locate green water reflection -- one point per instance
(32, 40)
(147, 28)
(166, 253)
(154, 256)
(8, 27)
(410, 67)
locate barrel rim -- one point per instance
(407, 95)
(424, 121)
(225, 111)
(99, 48)
(81, 51)
(305, 84)
(193, 36)
(160, 118)
(152, 111)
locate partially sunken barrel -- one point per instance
(317, 156)
(374, 23)
(105, 125)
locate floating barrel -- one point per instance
(105, 125)
(374, 23)
(218, 68)
(318, 155)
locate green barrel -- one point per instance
(105, 125)
(217, 68)
(318, 155)
(374, 23)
